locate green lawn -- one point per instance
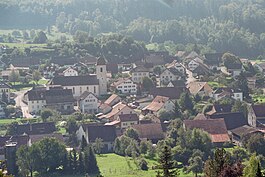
(8, 121)
(112, 165)
(22, 45)
(258, 98)
(215, 84)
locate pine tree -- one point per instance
(91, 166)
(165, 160)
(81, 167)
(83, 143)
(74, 160)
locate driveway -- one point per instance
(20, 103)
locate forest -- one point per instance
(223, 25)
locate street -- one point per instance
(20, 103)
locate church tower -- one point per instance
(101, 71)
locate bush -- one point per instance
(143, 165)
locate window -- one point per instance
(94, 89)
(87, 88)
(101, 70)
(73, 90)
(37, 101)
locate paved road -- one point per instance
(20, 103)
(190, 77)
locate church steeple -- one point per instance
(101, 71)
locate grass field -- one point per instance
(258, 98)
(8, 121)
(112, 165)
(215, 84)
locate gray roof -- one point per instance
(75, 80)
(85, 94)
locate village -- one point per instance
(202, 91)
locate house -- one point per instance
(251, 82)
(192, 55)
(138, 73)
(201, 70)
(159, 103)
(93, 131)
(70, 72)
(36, 138)
(219, 108)
(127, 120)
(35, 128)
(152, 132)
(256, 115)
(88, 103)
(158, 57)
(194, 63)
(177, 66)
(235, 69)
(172, 93)
(113, 99)
(228, 92)
(97, 84)
(58, 99)
(169, 74)
(117, 110)
(232, 119)
(104, 108)
(239, 133)
(177, 84)
(216, 129)
(213, 60)
(5, 89)
(200, 88)
(125, 86)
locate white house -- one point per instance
(88, 103)
(169, 74)
(125, 85)
(227, 92)
(193, 64)
(158, 104)
(70, 72)
(139, 73)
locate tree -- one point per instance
(240, 107)
(83, 143)
(214, 167)
(46, 113)
(230, 59)
(81, 167)
(147, 83)
(195, 165)
(185, 102)
(71, 126)
(90, 161)
(75, 163)
(166, 163)
(242, 84)
(132, 133)
(51, 154)
(164, 115)
(177, 111)
(40, 38)
(24, 161)
(254, 143)
(251, 169)
(36, 76)
(234, 170)
(157, 70)
(14, 76)
(12, 128)
(258, 173)
(98, 145)
(4, 97)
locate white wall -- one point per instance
(79, 90)
(35, 106)
(138, 76)
(89, 104)
(127, 87)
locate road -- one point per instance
(190, 78)
(20, 103)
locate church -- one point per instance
(94, 83)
